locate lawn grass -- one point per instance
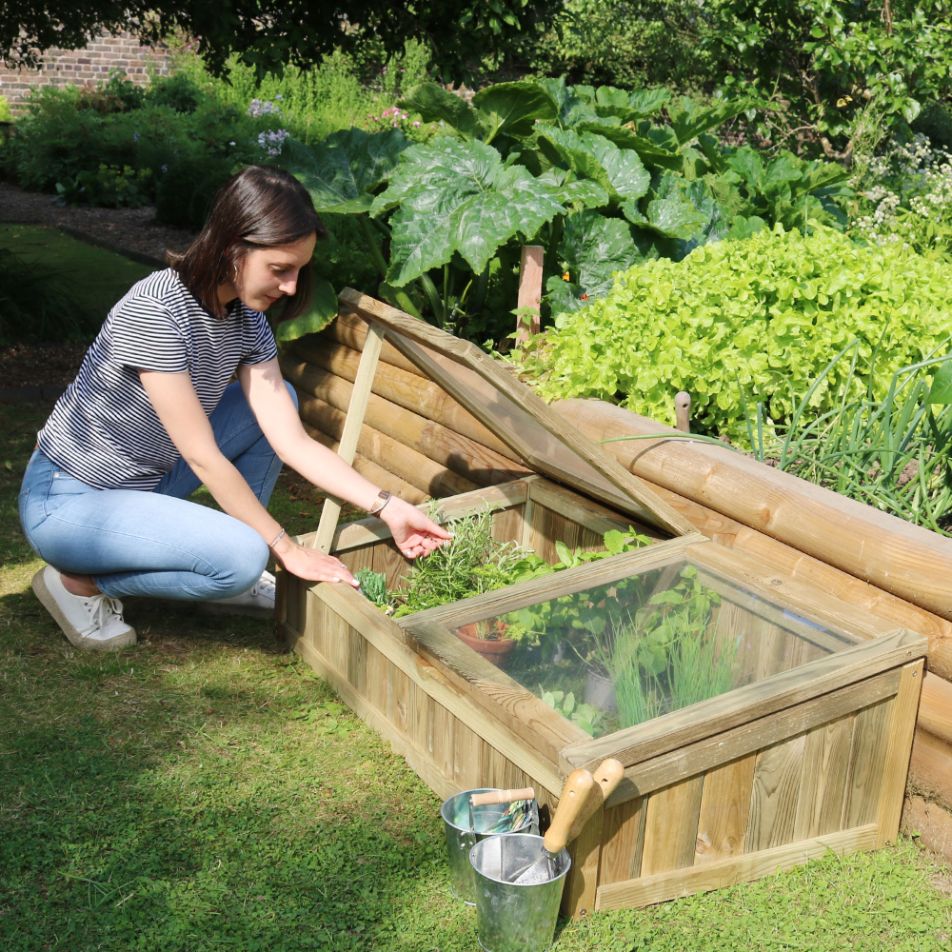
(205, 791)
(92, 279)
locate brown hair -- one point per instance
(260, 207)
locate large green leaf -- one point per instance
(512, 108)
(567, 148)
(593, 248)
(689, 118)
(435, 104)
(321, 311)
(627, 176)
(459, 198)
(342, 172)
(629, 106)
(619, 171)
(676, 209)
(941, 389)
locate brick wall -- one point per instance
(92, 64)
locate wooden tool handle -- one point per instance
(502, 796)
(607, 775)
(578, 786)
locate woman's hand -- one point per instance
(413, 532)
(312, 565)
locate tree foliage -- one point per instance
(268, 34)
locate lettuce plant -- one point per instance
(740, 323)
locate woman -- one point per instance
(153, 414)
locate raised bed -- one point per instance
(800, 744)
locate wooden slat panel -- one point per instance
(394, 566)
(501, 699)
(377, 686)
(442, 734)
(727, 872)
(469, 771)
(866, 763)
(706, 754)
(578, 896)
(586, 512)
(455, 694)
(824, 778)
(623, 842)
(508, 525)
(671, 826)
(725, 808)
(774, 795)
(899, 733)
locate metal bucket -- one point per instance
(515, 917)
(461, 828)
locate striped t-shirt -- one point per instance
(103, 429)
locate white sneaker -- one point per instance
(257, 600)
(93, 622)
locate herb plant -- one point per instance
(473, 562)
(664, 656)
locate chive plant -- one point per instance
(891, 453)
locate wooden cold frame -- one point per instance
(755, 780)
(752, 781)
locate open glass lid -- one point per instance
(546, 442)
(620, 642)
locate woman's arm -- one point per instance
(178, 408)
(277, 416)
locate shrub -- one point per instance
(34, 304)
(178, 91)
(907, 196)
(741, 322)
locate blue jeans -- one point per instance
(156, 544)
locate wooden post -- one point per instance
(355, 420)
(682, 410)
(530, 293)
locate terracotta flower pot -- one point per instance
(495, 649)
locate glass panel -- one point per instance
(508, 419)
(622, 653)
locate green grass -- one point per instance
(91, 279)
(205, 791)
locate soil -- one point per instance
(42, 370)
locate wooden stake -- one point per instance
(355, 420)
(530, 293)
(682, 411)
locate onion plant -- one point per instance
(891, 453)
